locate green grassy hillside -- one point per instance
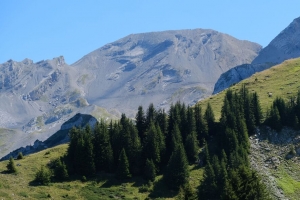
(103, 186)
(281, 80)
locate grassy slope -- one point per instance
(103, 186)
(281, 80)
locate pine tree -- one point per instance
(191, 148)
(151, 146)
(177, 172)
(43, 176)
(208, 189)
(60, 170)
(257, 111)
(201, 125)
(210, 118)
(140, 120)
(20, 156)
(123, 166)
(150, 115)
(11, 167)
(149, 170)
(102, 148)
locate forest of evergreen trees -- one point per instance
(167, 143)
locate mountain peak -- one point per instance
(285, 45)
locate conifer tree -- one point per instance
(60, 170)
(161, 143)
(162, 120)
(257, 111)
(201, 125)
(140, 119)
(102, 148)
(123, 166)
(208, 189)
(150, 115)
(149, 170)
(210, 118)
(20, 156)
(11, 167)
(43, 176)
(87, 162)
(151, 147)
(191, 148)
(177, 172)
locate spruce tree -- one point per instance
(11, 167)
(257, 111)
(201, 125)
(177, 172)
(191, 148)
(151, 145)
(123, 166)
(20, 156)
(210, 118)
(140, 120)
(43, 176)
(149, 170)
(60, 170)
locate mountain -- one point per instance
(36, 98)
(284, 46)
(60, 137)
(160, 68)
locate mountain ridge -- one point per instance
(285, 45)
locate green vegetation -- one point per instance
(11, 167)
(155, 156)
(278, 81)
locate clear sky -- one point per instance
(44, 29)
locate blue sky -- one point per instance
(40, 29)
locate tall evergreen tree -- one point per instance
(123, 166)
(149, 170)
(140, 119)
(257, 111)
(11, 167)
(102, 148)
(201, 125)
(151, 146)
(210, 119)
(191, 148)
(177, 172)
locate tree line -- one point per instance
(157, 142)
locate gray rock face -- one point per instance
(284, 46)
(35, 99)
(160, 68)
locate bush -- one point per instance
(43, 176)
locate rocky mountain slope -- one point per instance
(60, 137)
(160, 68)
(284, 46)
(35, 99)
